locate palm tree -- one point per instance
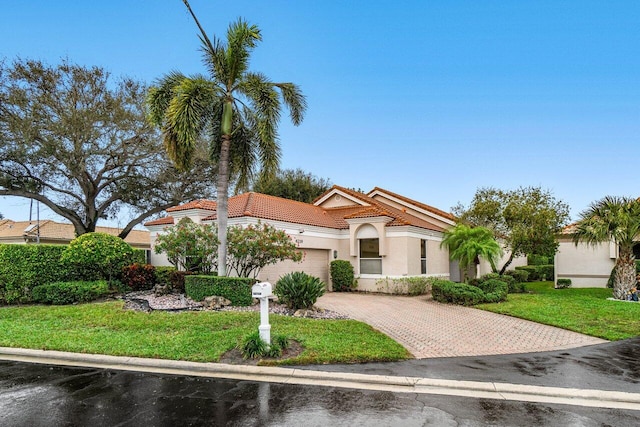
(614, 219)
(236, 110)
(468, 245)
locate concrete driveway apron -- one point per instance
(430, 329)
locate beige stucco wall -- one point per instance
(586, 266)
(437, 258)
(156, 259)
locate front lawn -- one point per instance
(584, 310)
(106, 328)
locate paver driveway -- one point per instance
(430, 329)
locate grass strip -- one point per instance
(583, 310)
(105, 328)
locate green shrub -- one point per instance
(95, 256)
(139, 256)
(139, 277)
(299, 290)
(163, 275)
(172, 277)
(534, 259)
(494, 290)
(342, 276)
(546, 272)
(23, 267)
(60, 293)
(521, 276)
(563, 283)
(538, 272)
(512, 284)
(456, 293)
(235, 289)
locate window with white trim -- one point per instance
(423, 256)
(370, 259)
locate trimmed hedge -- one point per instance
(23, 267)
(342, 276)
(563, 283)
(60, 293)
(235, 289)
(456, 293)
(538, 272)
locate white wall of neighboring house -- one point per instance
(587, 266)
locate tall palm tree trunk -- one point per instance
(625, 277)
(222, 208)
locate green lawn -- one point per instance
(106, 328)
(584, 310)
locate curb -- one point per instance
(400, 384)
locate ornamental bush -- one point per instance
(342, 276)
(190, 246)
(139, 277)
(59, 293)
(538, 272)
(96, 256)
(563, 283)
(235, 289)
(299, 290)
(449, 292)
(253, 247)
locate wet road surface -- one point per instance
(613, 366)
(40, 395)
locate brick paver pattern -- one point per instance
(430, 329)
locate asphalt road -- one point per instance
(611, 366)
(40, 395)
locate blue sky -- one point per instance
(427, 99)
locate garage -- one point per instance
(314, 263)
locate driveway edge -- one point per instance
(402, 384)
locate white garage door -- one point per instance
(315, 263)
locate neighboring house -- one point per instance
(587, 266)
(382, 234)
(56, 233)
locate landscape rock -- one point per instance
(160, 290)
(215, 302)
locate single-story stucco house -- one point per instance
(382, 234)
(587, 266)
(58, 233)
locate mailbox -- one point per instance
(261, 290)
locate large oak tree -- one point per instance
(77, 140)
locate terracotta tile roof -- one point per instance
(416, 203)
(62, 232)
(263, 206)
(167, 220)
(195, 204)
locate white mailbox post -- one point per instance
(263, 291)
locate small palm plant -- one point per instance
(468, 245)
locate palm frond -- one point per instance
(160, 95)
(186, 117)
(294, 100)
(242, 38)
